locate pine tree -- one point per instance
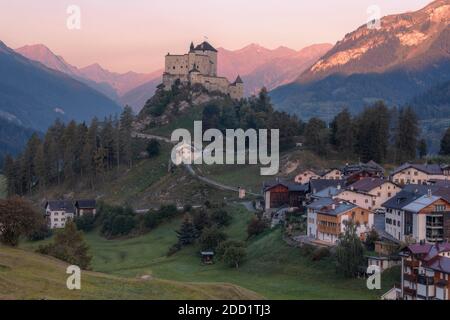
(69, 139)
(445, 143)
(126, 127)
(372, 138)
(342, 132)
(316, 136)
(406, 136)
(9, 168)
(187, 233)
(39, 165)
(349, 251)
(422, 148)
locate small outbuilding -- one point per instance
(207, 257)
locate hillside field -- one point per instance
(272, 269)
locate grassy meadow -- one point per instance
(272, 269)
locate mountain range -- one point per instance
(33, 95)
(258, 67)
(407, 56)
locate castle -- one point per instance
(199, 66)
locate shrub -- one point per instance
(173, 249)
(86, 222)
(320, 253)
(221, 218)
(306, 250)
(40, 233)
(233, 256)
(211, 238)
(69, 246)
(255, 227)
(153, 148)
(223, 246)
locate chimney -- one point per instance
(338, 187)
(429, 193)
(333, 206)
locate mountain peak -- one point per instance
(400, 39)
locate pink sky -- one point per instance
(136, 34)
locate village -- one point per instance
(408, 210)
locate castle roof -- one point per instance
(205, 46)
(238, 80)
(191, 49)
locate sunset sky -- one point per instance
(136, 34)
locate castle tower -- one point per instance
(205, 48)
(237, 88)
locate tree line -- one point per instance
(71, 152)
(378, 133)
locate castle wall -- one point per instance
(205, 61)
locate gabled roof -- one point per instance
(86, 204)
(320, 203)
(402, 199)
(327, 192)
(367, 184)
(238, 80)
(289, 185)
(370, 166)
(205, 46)
(60, 205)
(433, 169)
(421, 203)
(338, 208)
(317, 185)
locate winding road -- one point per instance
(189, 168)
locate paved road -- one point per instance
(189, 168)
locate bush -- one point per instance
(153, 148)
(117, 221)
(201, 219)
(69, 246)
(233, 256)
(211, 238)
(223, 246)
(150, 220)
(40, 233)
(320, 253)
(167, 212)
(255, 227)
(306, 250)
(86, 222)
(221, 218)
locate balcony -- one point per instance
(410, 277)
(409, 292)
(412, 263)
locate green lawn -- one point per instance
(2, 186)
(272, 269)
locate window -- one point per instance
(439, 208)
(389, 194)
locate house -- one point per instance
(419, 213)
(355, 172)
(318, 185)
(370, 193)
(331, 220)
(334, 174)
(386, 255)
(409, 173)
(85, 206)
(383, 262)
(58, 212)
(279, 193)
(425, 272)
(311, 211)
(306, 175)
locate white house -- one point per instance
(409, 173)
(58, 212)
(305, 176)
(413, 216)
(370, 193)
